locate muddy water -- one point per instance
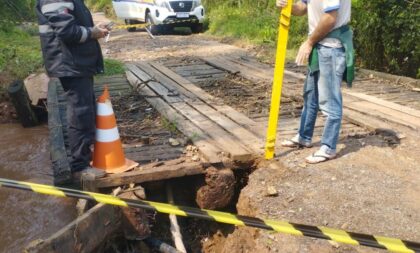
(26, 216)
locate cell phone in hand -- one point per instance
(110, 25)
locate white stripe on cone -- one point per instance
(104, 109)
(107, 135)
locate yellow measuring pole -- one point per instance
(278, 79)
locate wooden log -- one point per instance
(152, 172)
(85, 234)
(22, 104)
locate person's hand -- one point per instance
(281, 3)
(304, 52)
(99, 31)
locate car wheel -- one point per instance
(154, 29)
(167, 29)
(197, 28)
(130, 22)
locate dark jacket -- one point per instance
(65, 31)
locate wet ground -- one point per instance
(25, 216)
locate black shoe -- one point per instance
(63, 178)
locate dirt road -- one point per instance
(372, 187)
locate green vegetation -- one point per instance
(20, 53)
(171, 126)
(387, 34)
(113, 67)
(256, 23)
(102, 6)
(17, 10)
(386, 31)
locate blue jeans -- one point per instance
(322, 91)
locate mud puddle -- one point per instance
(25, 216)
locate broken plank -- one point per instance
(206, 146)
(149, 173)
(85, 234)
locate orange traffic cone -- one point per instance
(108, 153)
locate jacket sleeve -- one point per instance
(62, 21)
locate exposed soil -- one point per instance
(372, 187)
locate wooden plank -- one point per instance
(196, 79)
(170, 95)
(229, 144)
(245, 136)
(153, 153)
(226, 141)
(387, 115)
(221, 64)
(234, 115)
(249, 73)
(207, 147)
(85, 234)
(203, 72)
(373, 109)
(365, 121)
(164, 80)
(192, 67)
(263, 69)
(391, 105)
(167, 170)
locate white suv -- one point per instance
(161, 15)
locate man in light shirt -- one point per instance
(329, 54)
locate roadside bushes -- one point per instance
(255, 21)
(102, 6)
(387, 35)
(20, 54)
(387, 32)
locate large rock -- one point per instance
(218, 191)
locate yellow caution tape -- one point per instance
(391, 244)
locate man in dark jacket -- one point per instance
(72, 53)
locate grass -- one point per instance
(113, 67)
(20, 54)
(171, 126)
(256, 27)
